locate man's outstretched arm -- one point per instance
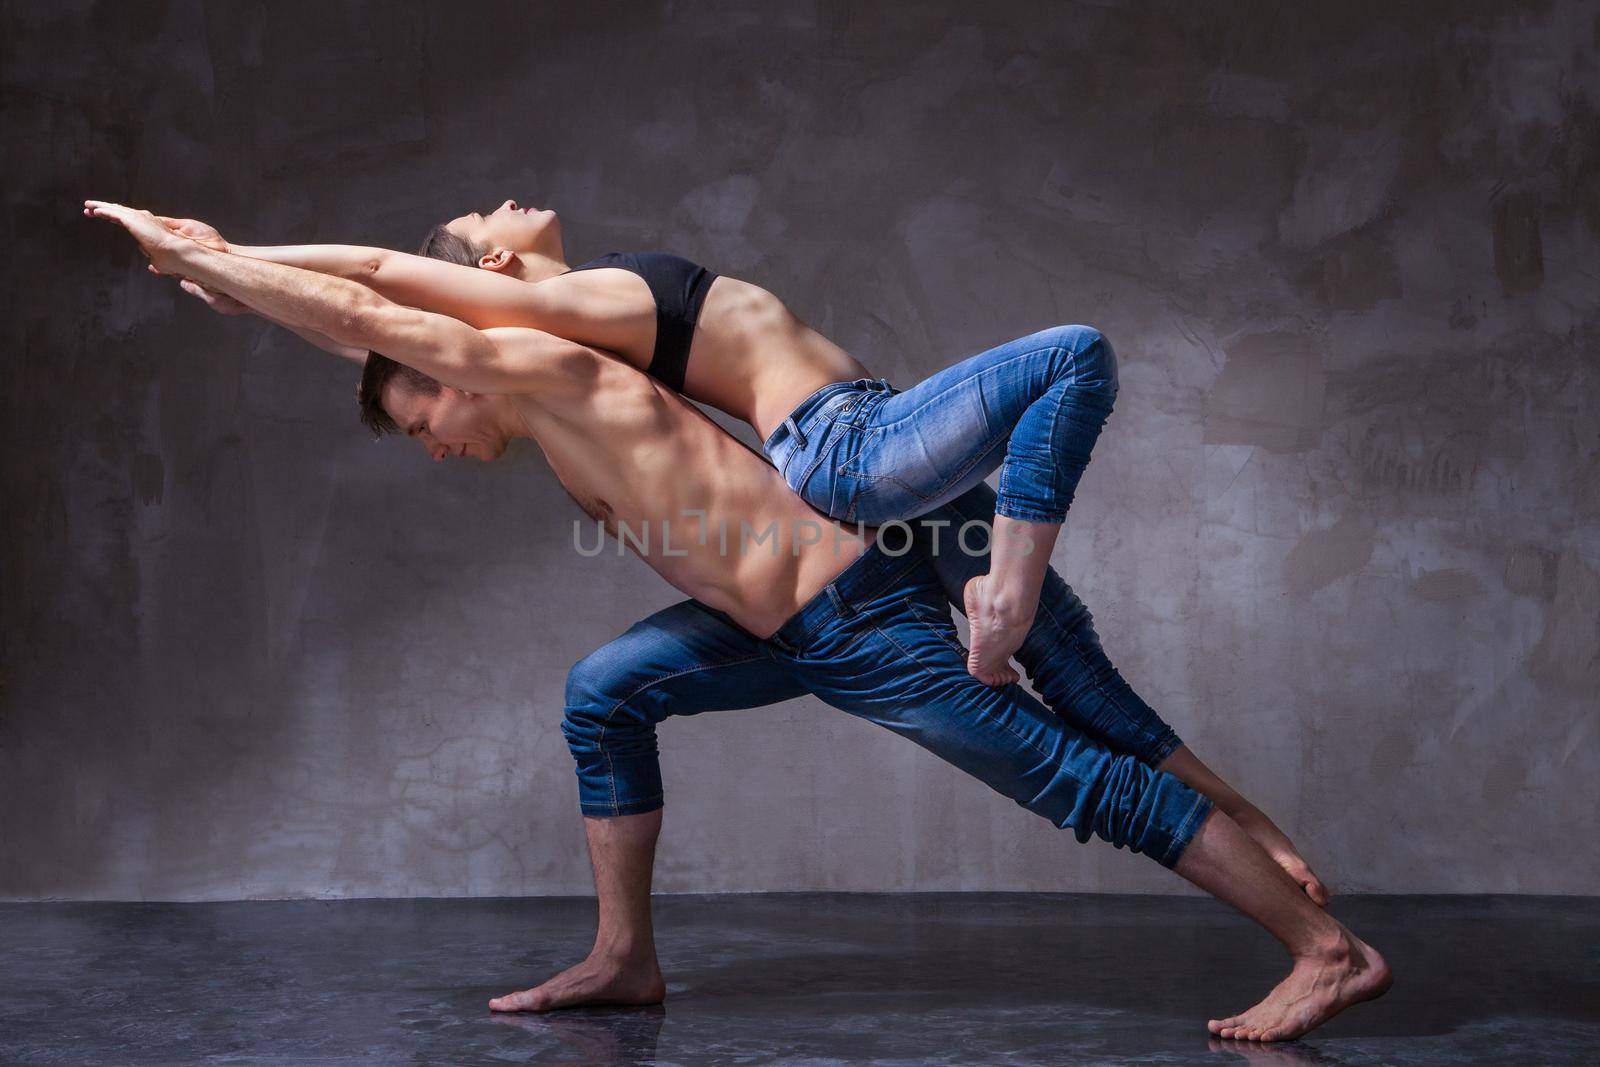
(349, 313)
(227, 305)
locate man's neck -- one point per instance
(510, 417)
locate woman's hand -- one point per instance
(160, 244)
(197, 231)
(221, 303)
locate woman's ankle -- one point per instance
(1007, 601)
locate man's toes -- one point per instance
(514, 1001)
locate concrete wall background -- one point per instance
(1343, 529)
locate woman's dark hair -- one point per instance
(451, 247)
(379, 371)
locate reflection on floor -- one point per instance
(786, 978)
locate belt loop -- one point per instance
(840, 604)
(794, 430)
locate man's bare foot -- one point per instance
(997, 630)
(597, 980)
(1318, 988)
(1264, 832)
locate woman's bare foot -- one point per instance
(1319, 987)
(997, 630)
(1264, 832)
(597, 980)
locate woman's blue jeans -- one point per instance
(865, 452)
(879, 643)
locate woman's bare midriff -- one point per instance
(750, 356)
(754, 359)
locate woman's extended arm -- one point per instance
(586, 309)
(481, 298)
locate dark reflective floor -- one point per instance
(790, 978)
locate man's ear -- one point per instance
(499, 261)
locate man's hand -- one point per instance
(157, 240)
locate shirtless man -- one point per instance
(861, 625)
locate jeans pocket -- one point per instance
(940, 625)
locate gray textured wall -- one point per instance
(1343, 529)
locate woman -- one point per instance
(851, 446)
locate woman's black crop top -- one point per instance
(679, 287)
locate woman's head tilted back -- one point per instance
(501, 241)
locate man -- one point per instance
(783, 603)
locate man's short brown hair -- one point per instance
(379, 371)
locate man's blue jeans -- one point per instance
(879, 643)
(865, 452)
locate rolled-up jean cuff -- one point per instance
(627, 807)
(1186, 831)
(1012, 510)
(1168, 743)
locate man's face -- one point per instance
(449, 423)
(525, 231)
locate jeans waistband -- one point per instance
(808, 407)
(874, 571)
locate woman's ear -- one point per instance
(499, 261)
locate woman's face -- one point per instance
(525, 231)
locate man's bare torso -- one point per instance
(709, 515)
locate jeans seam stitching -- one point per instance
(1077, 649)
(903, 651)
(1200, 799)
(972, 461)
(1024, 355)
(611, 772)
(916, 612)
(1054, 761)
